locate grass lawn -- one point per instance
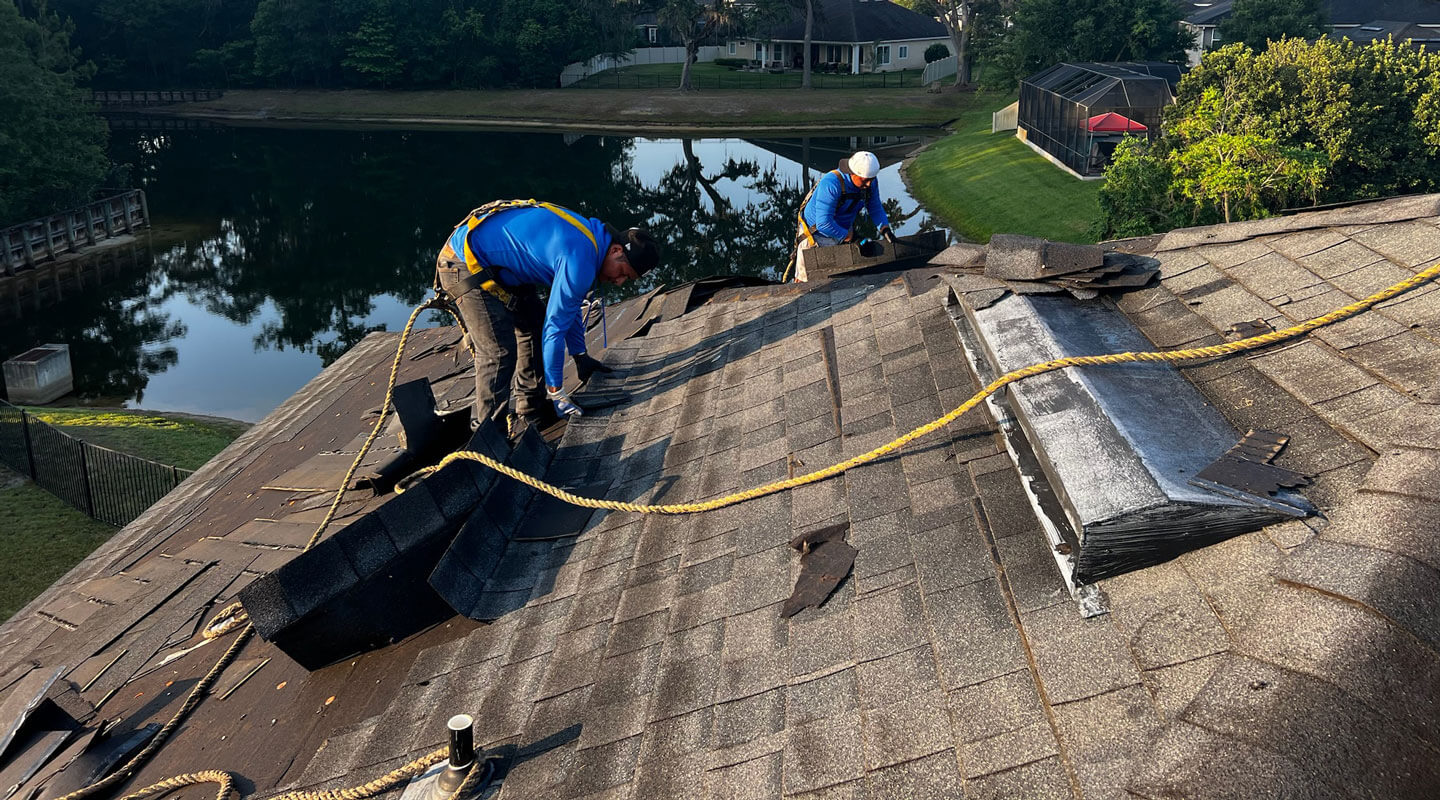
(713, 76)
(981, 183)
(43, 537)
(174, 440)
(594, 109)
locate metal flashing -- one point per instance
(1119, 445)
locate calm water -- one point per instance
(274, 251)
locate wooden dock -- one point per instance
(29, 244)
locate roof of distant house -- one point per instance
(859, 22)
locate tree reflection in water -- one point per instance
(304, 230)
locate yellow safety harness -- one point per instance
(479, 215)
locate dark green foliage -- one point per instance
(1135, 198)
(1046, 32)
(1254, 22)
(935, 52)
(52, 143)
(1297, 124)
(732, 63)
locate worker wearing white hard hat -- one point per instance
(828, 213)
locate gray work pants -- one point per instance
(506, 338)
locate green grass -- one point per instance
(627, 110)
(981, 183)
(176, 441)
(714, 76)
(43, 538)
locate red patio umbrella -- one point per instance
(1110, 122)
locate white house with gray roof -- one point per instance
(850, 36)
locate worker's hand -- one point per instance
(888, 234)
(585, 366)
(564, 406)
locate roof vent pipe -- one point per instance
(462, 753)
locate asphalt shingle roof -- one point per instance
(648, 658)
(860, 21)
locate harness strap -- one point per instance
(479, 215)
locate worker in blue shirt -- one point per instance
(827, 216)
(488, 270)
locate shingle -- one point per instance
(935, 777)
(1407, 243)
(1078, 657)
(685, 686)
(1354, 649)
(1040, 780)
(1165, 617)
(907, 730)
(888, 622)
(832, 695)
(822, 638)
(755, 778)
(951, 555)
(975, 638)
(750, 718)
(1008, 750)
(599, 768)
(823, 753)
(1407, 360)
(1030, 571)
(1226, 256)
(1339, 259)
(1303, 243)
(1369, 279)
(1192, 762)
(1311, 372)
(999, 705)
(1409, 472)
(668, 741)
(637, 633)
(1105, 736)
(1273, 275)
(1403, 590)
(1314, 725)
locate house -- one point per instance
(1361, 20)
(1075, 114)
(644, 656)
(850, 36)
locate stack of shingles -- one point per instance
(1031, 265)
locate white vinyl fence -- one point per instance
(641, 55)
(939, 70)
(1006, 119)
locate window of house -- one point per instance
(904, 51)
(760, 52)
(650, 35)
(832, 53)
(730, 49)
(882, 54)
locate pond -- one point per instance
(274, 250)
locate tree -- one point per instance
(691, 24)
(52, 141)
(1255, 22)
(935, 52)
(1135, 199)
(1046, 32)
(371, 53)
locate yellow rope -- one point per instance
(1000, 383)
(232, 616)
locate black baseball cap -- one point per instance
(641, 249)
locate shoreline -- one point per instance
(518, 125)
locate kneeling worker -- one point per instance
(829, 212)
(489, 268)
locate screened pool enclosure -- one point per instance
(1078, 112)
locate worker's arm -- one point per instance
(827, 197)
(877, 208)
(574, 274)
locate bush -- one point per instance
(935, 52)
(732, 63)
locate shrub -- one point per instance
(936, 51)
(732, 63)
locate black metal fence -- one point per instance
(759, 79)
(109, 486)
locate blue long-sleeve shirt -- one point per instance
(538, 246)
(837, 201)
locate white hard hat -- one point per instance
(865, 164)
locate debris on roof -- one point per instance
(645, 656)
(825, 560)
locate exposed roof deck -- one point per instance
(650, 659)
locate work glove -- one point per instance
(564, 406)
(888, 234)
(585, 366)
